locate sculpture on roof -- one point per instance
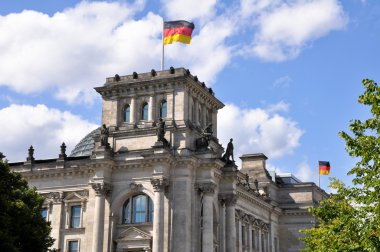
(161, 130)
(104, 136)
(229, 152)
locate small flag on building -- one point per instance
(177, 31)
(324, 168)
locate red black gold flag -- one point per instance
(324, 168)
(178, 31)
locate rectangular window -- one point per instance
(44, 213)
(75, 217)
(73, 246)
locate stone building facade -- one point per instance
(143, 184)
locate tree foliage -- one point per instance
(350, 219)
(22, 227)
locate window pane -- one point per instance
(127, 113)
(144, 114)
(139, 202)
(75, 217)
(127, 213)
(139, 208)
(73, 246)
(44, 213)
(163, 109)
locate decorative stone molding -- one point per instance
(102, 188)
(136, 188)
(54, 197)
(208, 187)
(159, 184)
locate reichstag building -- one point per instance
(155, 178)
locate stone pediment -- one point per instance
(74, 197)
(132, 234)
(134, 239)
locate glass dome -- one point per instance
(86, 145)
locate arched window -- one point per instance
(163, 109)
(144, 111)
(127, 113)
(138, 209)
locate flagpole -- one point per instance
(319, 178)
(163, 51)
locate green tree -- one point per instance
(350, 219)
(22, 227)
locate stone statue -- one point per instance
(161, 129)
(203, 142)
(229, 152)
(104, 136)
(207, 132)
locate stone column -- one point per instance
(240, 236)
(249, 238)
(230, 223)
(113, 222)
(151, 108)
(208, 190)
(101, 190)
(214, 119)
(133, 110)
(259, 241)
(222, 226)
(159, 185)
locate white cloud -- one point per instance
(304, 172)
(258, 130)
(42, 127)
(285, 28)
(250, 7)
(74, 50)
(208, 54)
(189, 9)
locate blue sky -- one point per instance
(289, 71)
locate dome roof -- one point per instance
(86, 145)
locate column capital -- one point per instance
(159, 184)
(207, 187)
(228, 199)
(101, 188)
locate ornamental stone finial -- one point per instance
(63, 155)
(30, 154)
(159, 184)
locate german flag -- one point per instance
(324, 168)
(178, 31)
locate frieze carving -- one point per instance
(208, 187)
(159, 184)
(135, 187)
(102, 188)
(55, 197)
